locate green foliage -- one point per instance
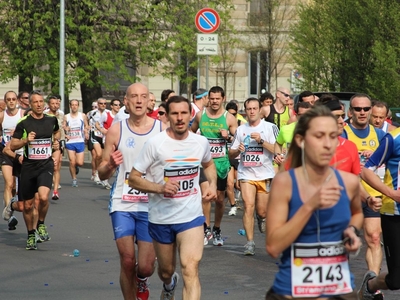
(104, 40)
(349, 46)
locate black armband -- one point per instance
(356, 231)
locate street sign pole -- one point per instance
(206, 72)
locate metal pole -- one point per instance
(206, 72)
(62, 53)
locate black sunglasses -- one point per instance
(342, 116)
(284, 94)
(358, 109)
(161, 113)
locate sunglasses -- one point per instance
(358, 109)
(94, 106)
(13, 99)
(24, 97)
(284, 94)
(116, 104)
(161, 113)
(340, 116)
(102, 103)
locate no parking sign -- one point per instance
(207, 20)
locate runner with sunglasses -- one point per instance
(366, 137)
(278, 113)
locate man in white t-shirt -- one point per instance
(171, 161)
(255, 170)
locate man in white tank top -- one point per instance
(8, 120)
(171, 161)
(255, 170)
(76, 130)
(128, 207)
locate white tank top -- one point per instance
(8, 125)
(123, 197)
(76, 129)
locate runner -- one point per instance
(76, 126)
(36, 134)
(172, 160)
(129, 208)
(255, 171)
(313, 216)
(8, 120)
(216, 124)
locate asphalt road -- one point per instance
(79, 220)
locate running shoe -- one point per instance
(74, 183)
(218, 241)
(12, 223)
(76, 170)
(43, 234)
(261, 223)
(31, 242)
(169, 295)
(249, 248)
(363, 293)
(106, 184)
(7, 211)
(93, 177)
(207, 236)
(97, 180)
(142, 292)
(56, 196)
(232, 211)
(37, 237)
(378, 295)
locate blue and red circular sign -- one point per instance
(207, 20)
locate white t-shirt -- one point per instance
(121, 115)
(76, 128)
(256, 162)
(163, 158)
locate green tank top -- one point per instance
(210, 128)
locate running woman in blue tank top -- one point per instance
(313, 216)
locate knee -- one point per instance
(28, 206)
(145, 270)
(128, 262)
(190, 270)
(165, 273)
(374, 238)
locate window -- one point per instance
(258, 13)
(258, 77)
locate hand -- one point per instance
(374, 203)
(327, 196)
(31, 136)
(210, 194)
(241, 148)
(224, 133)
(351, 241)
(279, 158)
(171, 187)
(255, 136)
(56, 145)
(116, 159)
(367, 153)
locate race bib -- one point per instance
(7, 134)
(186, 178)
(253, 157)
(75, 133)
(39, 149)
(217, 147)
(320, 269)
(131, 195)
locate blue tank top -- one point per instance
(332, 222)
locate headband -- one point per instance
(201, 95)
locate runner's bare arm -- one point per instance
(141, 184)
(111, 157)
(196, 122)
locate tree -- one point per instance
(349, 46)
(269, 22)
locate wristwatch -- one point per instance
(261, 142)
